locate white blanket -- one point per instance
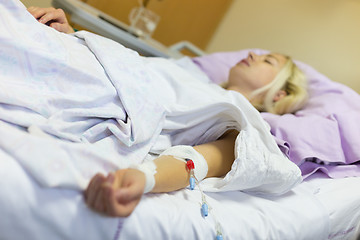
(71, 108)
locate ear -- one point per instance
(279, 95)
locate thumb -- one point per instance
(60, 27)
(128, 193)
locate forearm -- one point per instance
(172, 173)
(119, 193)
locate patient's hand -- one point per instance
(52, 17)
(117, 194)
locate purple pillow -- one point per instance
(324, 135)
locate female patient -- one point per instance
(271, 82)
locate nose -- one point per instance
(252, 56)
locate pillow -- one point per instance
(323, 135)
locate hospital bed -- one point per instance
(106, 25)
(38, 200)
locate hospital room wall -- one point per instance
(322, 33)
(39, 3)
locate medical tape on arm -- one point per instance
(180, 152)
(184, 153)
(149, 169)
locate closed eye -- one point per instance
(271, 59)
(268, 61)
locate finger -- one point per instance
(93, 188)
(57, 15)
(110, 201)
(91, 184)
(124, 195)
(100, 202)
(110, 177)
(35, 12)
(132, 188)
(39, 12)
(114, 208)
(60, 27)
(107, 187)
(32, 9)
(128, 194)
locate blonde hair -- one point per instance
(291, 80)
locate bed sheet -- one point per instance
(342, 202)
(319, 208)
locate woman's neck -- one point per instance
(237, 89)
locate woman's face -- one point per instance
(255, 72)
